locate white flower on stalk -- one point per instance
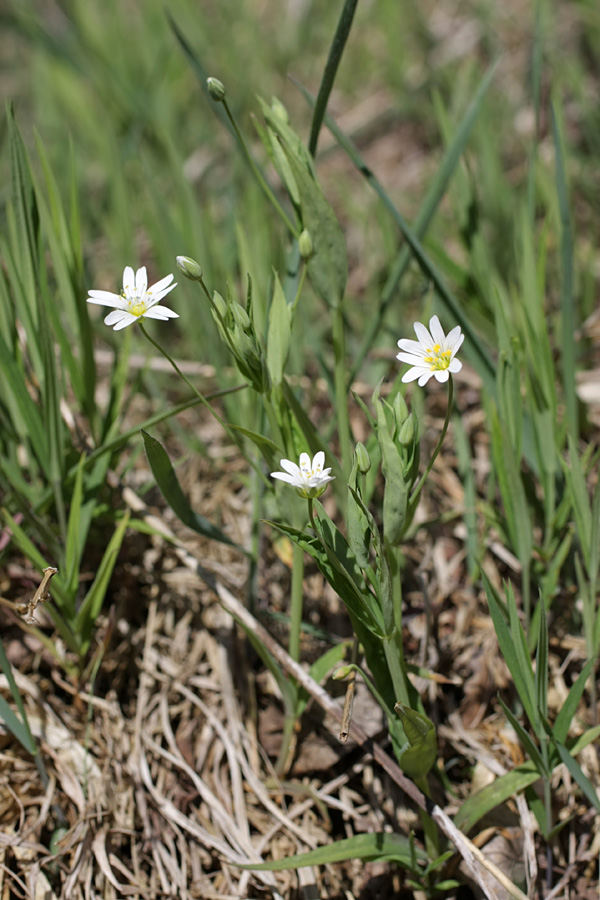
(433, 354)
(136, 300)
(309, 478)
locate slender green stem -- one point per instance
(333, 60)
(184, 378)
(231, 435)
(394, 648)
(341, 396)
(299, 291)
(296, 602)
(258, 174)
(417, 490)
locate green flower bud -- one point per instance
(400, 409)
(279, 110)
(241, 317)
(407, 431)
(305, 245)
(341, 673)
(363, 460)
(216, 89)
(190, 268)
(220, 305)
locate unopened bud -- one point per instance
(305, 245)
(341, 673)
(363, 460)
(400, 409)
(407, 432)
(190, 268)
(220, 304)
(216, 89)
(279, 110)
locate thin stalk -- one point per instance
(341, 396)
(296, 602)
(333, 60)
(258, 174)
(233, 437)
(393, 646)
(417, 490)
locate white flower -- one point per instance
(309, 478)
(136, 301)
(433, 354)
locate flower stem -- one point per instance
(257, 173)
(233, 437)
(341, 397)
(417, 490)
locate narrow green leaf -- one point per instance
(582, 780)
(380, 846)
(328, 266)
(526, 739)
(566, 714)
(92, 603)
(19, 727)
(541, 666)
(567, 297)
(491, 796)
(170, 488)
(279, 333)
(520, 671)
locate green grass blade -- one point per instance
(92, 603)
(567, 711)
(567, 299)
(491, 796)
(435, 193)
(582, 780)
(333, 60)
(521, 672)
(168, 483)
(380, 846)
(474, 347)
(19, 727)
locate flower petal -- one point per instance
(413, 374)
(154, 298)
(318, 461)
(282, 476)
(441, 375)
(455, 366)
(290, 467)
(424, 378)
(106, 298)
(141, 280)
(454, 339)
(161, 285)
(160, 312)
(413, 347)
(128, 279)
(124, 319)
(412, 360)
(425, 338)
(437, 332)
(305, 463)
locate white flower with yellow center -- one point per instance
(433, 354)
(309, 478)
(136, 301)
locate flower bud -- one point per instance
(190, 268)
(400, 409)
(220, 305)
(341, 673)
(305, 245)
(407, 432)
(279, 110)
(216, 89)
(241, 317)
(363, 460)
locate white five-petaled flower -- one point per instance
(309, 478)
(136, 300)
(433, 354)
